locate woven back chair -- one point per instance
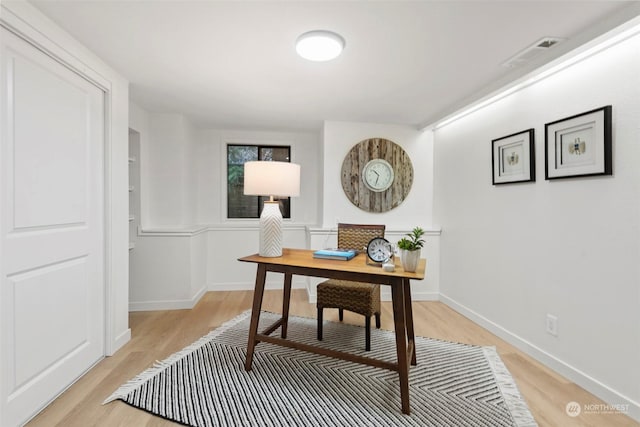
(357, 297)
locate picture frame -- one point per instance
(513, 158)
(579, 145)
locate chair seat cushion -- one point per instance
(358, 297)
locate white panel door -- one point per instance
(52, 228)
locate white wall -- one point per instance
(171, 172)
(512, 254)
(168, 175)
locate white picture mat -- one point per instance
(567, 159)
(516, 148)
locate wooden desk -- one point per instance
(301, 262)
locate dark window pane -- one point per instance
(281, 154)
(239, 205)
(238, 154)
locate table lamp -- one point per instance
(266, 178)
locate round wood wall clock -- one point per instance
(376, 175)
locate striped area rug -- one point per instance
(205, 384)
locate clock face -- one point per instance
(379, 250)
(378, 175)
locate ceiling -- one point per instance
(232, 64)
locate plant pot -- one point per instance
(409, 259)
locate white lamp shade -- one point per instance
(271, 179)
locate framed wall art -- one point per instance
(376, 175)
(513, 158)
(579, 145)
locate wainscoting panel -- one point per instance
(172, 268)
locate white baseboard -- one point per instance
(585, 381)
(168, 304)
(120, 340)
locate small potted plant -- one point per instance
(410, 249)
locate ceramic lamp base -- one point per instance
(271, 230)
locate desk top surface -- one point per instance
(303, 258)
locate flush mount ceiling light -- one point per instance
(319, 45)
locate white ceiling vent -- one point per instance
(532, 51)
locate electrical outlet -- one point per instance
(552, 325)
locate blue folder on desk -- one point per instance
(343, 255)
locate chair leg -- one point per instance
(367, 327)
(320, 323)
(377, 320)
(341, 314)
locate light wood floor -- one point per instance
(157, 334)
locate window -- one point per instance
(239, 205)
